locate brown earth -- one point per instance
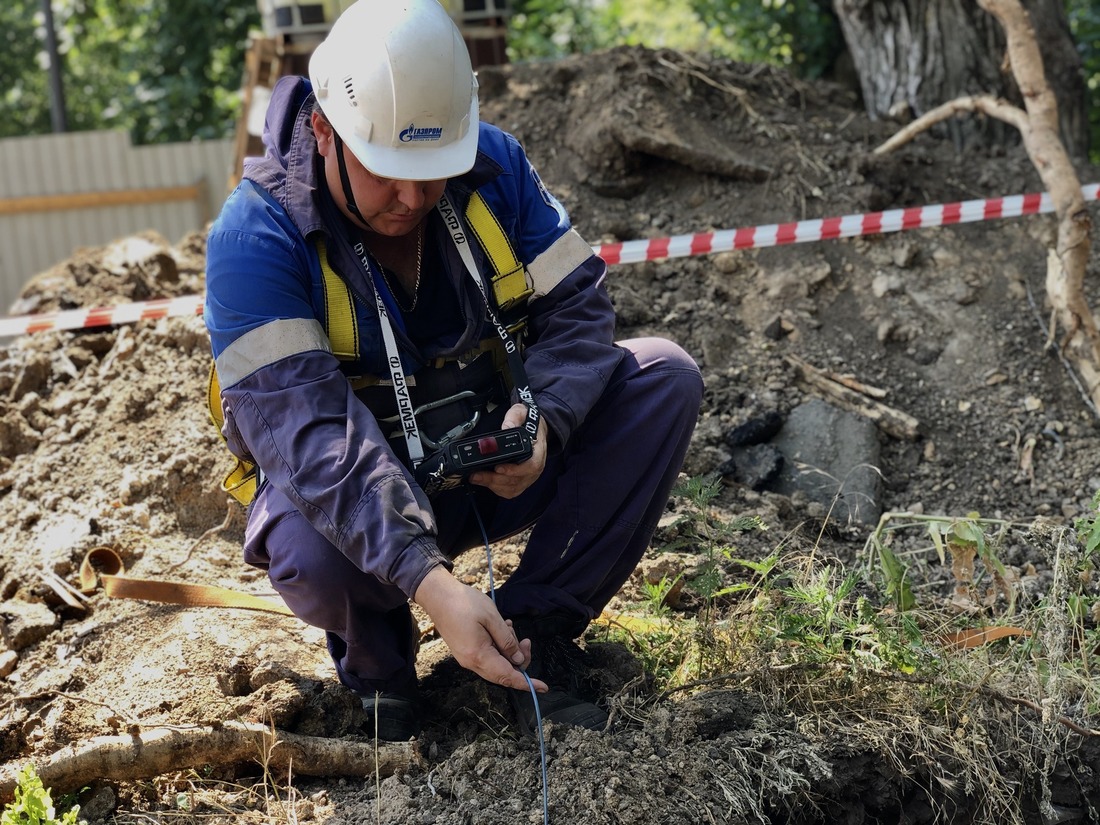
(104, 441)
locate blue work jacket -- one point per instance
(286, 398)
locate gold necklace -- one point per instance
(416, 283)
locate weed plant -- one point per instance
(966, 689)
(33, 803)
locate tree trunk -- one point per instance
(912, 55)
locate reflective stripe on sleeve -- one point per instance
(265, 345)
(555, 264)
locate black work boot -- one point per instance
(391, 717)
(556, 660)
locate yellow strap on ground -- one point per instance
(103, 565)
(340, 321)
(510, 280)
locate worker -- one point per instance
(393, 277)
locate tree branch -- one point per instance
(149, 753)
(986, 104)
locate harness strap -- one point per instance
(509, 288)
(243, 479)
(340, 322)
(510, 281)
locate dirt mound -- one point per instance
(104, 441)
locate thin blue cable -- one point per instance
(530, 684)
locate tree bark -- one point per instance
(911, 55)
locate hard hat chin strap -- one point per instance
(345, 181)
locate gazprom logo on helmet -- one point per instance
(417, 133)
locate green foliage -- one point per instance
(33, 804)
(818, 616)
(163, 70)
(712, 535)
(794, 613)
(657, 594)
(550, 29)
(897, 583)
(24, 97)
(1084, 22)
(1088, 529)
(800, 34)
(803, 35)
(664, 648)
(963, 539)
(1088, 532)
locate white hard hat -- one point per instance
(394, 79)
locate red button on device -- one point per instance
(487, 445)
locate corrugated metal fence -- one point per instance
(61, 192)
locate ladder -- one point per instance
(267, 59)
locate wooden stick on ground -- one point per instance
(157, 751)
(894, 422)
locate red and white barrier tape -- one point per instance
(630, 252)
(848, 226)
(102, 316)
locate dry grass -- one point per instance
(985, 727)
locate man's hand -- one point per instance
(509, 480)
(478, 637)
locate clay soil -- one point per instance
(104, 441)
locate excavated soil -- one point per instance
(104, 441)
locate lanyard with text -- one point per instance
(405, 410)
(515, 359)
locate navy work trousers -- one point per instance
(593, 511)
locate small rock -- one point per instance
(904, 255)
(962, 293)
(100, 805)
(267, 673)
(23, 624)
(755, 467)
(778, 327)
(667, 567)
(830, 456)
(945, 259)
(883, 284)
(755, 431)
(8, 660)
(727, 262)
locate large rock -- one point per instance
(831, 457)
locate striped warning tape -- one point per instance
(848, 226)
(629, 252)
(102, 316)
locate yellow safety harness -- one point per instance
(510, 290)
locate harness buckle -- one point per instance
(455, 432)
